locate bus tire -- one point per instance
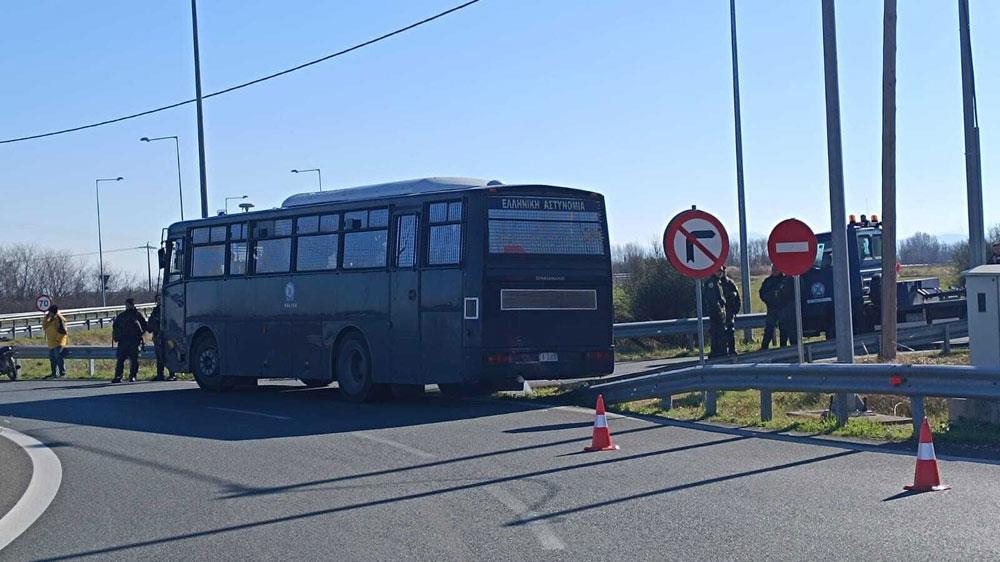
(315, 383)
(353, 364)
(206, 364)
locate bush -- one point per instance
(653, 290)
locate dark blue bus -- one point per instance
(471, 285)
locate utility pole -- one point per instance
(887, 350)
(741, 198)
(201, 121)
(838, 219)
(973, 162)
(149, 264)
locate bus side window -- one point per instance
(444, 244)
(406, 241)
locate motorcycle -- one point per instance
(8, 365)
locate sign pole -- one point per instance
(798, 317)
(701, 322)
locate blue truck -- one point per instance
(920, 299)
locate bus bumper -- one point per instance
(501, 364)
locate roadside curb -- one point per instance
(46, 478)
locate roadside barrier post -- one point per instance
(917, 412)
(765, 405)
(946, 347)
(711, 403)
(666, 403)
(90, 367)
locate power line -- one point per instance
(250, 83)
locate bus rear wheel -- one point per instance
(354, 370)
(208, 366)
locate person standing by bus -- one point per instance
(770, 294)
(732, 304)
(154, 328)
(787, 322)
(57, 338)
(714, 304)
(127, 331)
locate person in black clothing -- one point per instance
(127, 331)
(787, 306)
(770, 293)
(154, 328)
(731, 296)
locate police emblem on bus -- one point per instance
(817, 290)
(290, 295)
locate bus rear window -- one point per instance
(546, 226)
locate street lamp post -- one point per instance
(100, 243)
(228, 199)
(177, 150)
(318, 172)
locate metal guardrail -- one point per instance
(92, 352)
(27, 323)
(915, 381)
(679, 326)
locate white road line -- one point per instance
(539, 527)
(46, 477)
(248, 412)
(395, 445)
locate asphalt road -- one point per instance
(15, 473)
(164, 471)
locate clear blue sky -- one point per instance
(632, 98)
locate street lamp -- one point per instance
(100, 243)
(177, 149)
(319, 173)
(228, 199)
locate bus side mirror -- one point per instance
(163, 257)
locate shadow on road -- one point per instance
(262, 413)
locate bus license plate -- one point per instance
(549, 357)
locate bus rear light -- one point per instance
(598, 355)
(499, 359)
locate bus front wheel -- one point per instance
(207, 365)
(354, 370)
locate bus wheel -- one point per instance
(207, 365)
(315, 383)
(465, 389)
(354, 370)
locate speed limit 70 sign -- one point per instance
(43, 302)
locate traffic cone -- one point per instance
(602, 435)
(926, 477)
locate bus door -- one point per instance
(404, 300)
(173, 306)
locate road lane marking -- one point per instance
(395, 445)
(46, 477)
(248, 412)
(530, 519)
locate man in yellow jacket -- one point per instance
(57, 336)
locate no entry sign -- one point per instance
(696, 243)
(792, 247)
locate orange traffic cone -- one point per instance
(602, 435)
(926, 477)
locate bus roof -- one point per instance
(392, 189)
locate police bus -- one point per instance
(471, 285)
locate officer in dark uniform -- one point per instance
(127, 331)
(732, 297)
(786, 297)
(158, 343)
(714, 304)
(770, 294)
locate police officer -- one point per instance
(770, 294)
(714, 304)
(732, 298)
(127, 331)
(158, 343)
(786, 323)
